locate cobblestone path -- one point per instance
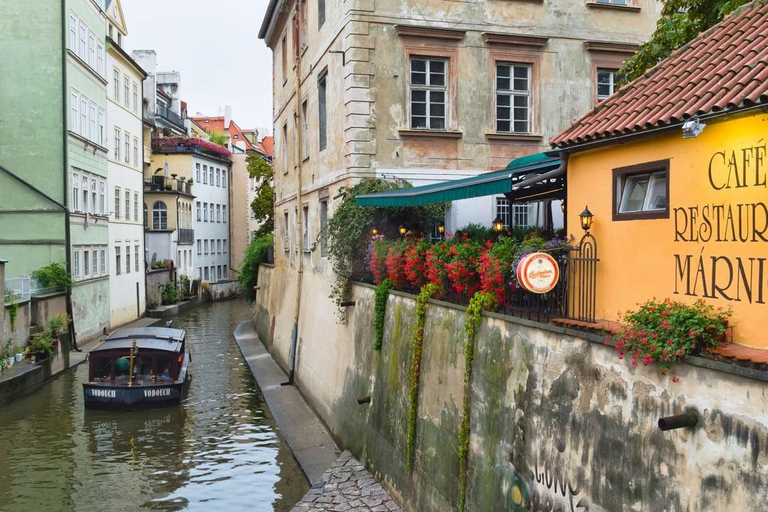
(347, 487)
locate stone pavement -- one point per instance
(347, 487)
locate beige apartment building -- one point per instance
(427, 91)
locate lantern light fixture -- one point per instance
(402, 230)
(586, 219)
(374, 231)
(562, 206)
(498, 224)
(441, 228)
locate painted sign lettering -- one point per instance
(153, 393)
(538, 272)
(103, 393)
(712, 273)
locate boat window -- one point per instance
(102, 369)
(142, 370)
(122, 367)
(165, 368)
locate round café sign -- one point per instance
(538, 272)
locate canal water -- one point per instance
(219, 450)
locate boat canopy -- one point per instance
(148, 338)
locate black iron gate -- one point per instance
(581, 281)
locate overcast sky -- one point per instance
(215, 46)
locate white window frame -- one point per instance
(117, 203)
(74, 111)
(127, 155)
(430, 120)
(103, 261)
(117, 142)
(73, 33)
(75, 192)
(127, 204)
(83, 116)
(511, 96)
(611, 83)
(76, 264)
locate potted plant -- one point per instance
(19, 352)
(41, 346)
(57, 327)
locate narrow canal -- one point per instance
(219, 450)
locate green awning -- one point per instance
(486, 184)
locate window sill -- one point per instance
(406, 133)
(522, 137)
(88, 141)
(615, 7)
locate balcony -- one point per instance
(164, 184)
(186, 236)
(170, 116)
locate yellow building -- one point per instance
(681, 213)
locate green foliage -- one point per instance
(42, 344)
(663, 332)
(255, 255)
(680, 22)
(53, 275)
(417, 339)
(349, 230)
(474, 231)
(170, 293)
(158, 264)
(13, 310)
(263, 205)
(218, 138)
(382, 293)
(478, 302)
(57, 323)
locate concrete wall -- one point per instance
(45, 306)
(558, 421)
(240, 212)
(156, 281)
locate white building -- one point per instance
(125, 174)
(212, 218)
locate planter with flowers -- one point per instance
(664, 332)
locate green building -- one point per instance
(54, 205)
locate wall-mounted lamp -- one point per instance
(692, 128)
(562, 207)
(374, 231)
(498, 225)
(441, 228)
(402, 230)
(586, 219)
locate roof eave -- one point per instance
(270, 17)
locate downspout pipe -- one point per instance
(65, 174)
(299, 209)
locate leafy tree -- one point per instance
(255, 255)
(680, 22)
(263, 205)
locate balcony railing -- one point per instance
(186, 236)
(170, 116)
(163, 184)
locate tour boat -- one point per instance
(138, 368)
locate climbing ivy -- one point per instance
(13, 310)
(417, 337)
(382, 292)
(478, 302)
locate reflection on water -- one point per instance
(219, 450)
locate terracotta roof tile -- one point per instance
(723, 69)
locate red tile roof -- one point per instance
(217, 124)
(721, 70)
(268, 145)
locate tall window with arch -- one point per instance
(159, 215)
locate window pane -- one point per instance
(503, 113)
(656, 198)
(418, 121)
(502, 126)
(633, 196)
(437, 124)
(419, 109)
(503, 100)
(436, 97)
(420, 96)
(437, 110)
(418, 65)
(521, 126)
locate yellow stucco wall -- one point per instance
(713, 246)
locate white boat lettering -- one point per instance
(104, 393)
(151, 393)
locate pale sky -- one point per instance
(215, 46)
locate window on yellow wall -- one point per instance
(641, 191)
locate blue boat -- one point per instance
(138, 368)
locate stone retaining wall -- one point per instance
(558, 422)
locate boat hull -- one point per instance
(134, 397)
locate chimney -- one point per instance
(227, 116)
